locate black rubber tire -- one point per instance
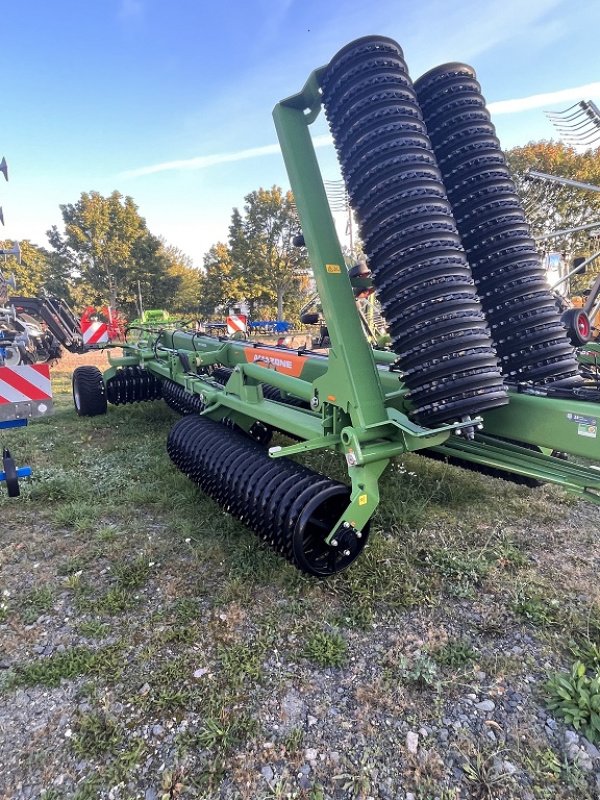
(569, 320)
(89, 392)
(10, 472)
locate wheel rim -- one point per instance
(583, 326)
(318, 516)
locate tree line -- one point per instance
(104, 250)
(104, 253)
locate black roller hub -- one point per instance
(410, 235)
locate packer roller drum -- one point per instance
(176, 397)
(132, 385)
(524, 320)
(186, 403)
(287, 505)
(420, 271)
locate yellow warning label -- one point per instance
(363, 500)
(333, 269)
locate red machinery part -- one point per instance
(578, 326)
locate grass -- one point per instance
(454, 654)
(95, 734)
(36, 602)
(68, 665)
(162, 611)
(326, 648)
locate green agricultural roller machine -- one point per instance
(480, 370)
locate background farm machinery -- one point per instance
(34, 329)
(481, 370)
(25, 391)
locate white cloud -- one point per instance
(545, 100)
(130, 9)
(201, 162)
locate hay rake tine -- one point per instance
(581, 128)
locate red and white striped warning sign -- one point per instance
(237, 322)
(25, 384)
(94, 332)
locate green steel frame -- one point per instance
(355, 405)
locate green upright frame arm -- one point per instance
(351, 381)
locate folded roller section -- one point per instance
(419, 267)
(523, 317)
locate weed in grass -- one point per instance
(178, 634)
(170, 686)
(575, 697)
(455, 567)
(124, 761)
(96, 733)
(254, 563)
(89, 789)
(486, 773)
(132, 574)
(383, 576)
(50, 794)
(358, 780)
(356, 616)
(326, 648)
(226, 731)
(293, 741)
(56, 484)
(426, 773)
(72, 565)
(93, 629)
(67, 665)
(503, 665)
(114, 601)
(455, 653)
(4, 608)
(35, 603)
(422, 672)
(240, 662)
(171, 783)
(185, 610)
(72, 581)
(535, 607)
(543, 763)
(507, 554)
(573, 777)
(81, 515)
(107, 534)
(494, 619)
(588, 652)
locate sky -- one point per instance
(170, 102)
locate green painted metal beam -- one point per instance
(350, 380)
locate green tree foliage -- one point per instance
(220, 284)
(32, 273)
(109, 249)
(550, 207)
(186, 298)
(270, 268)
